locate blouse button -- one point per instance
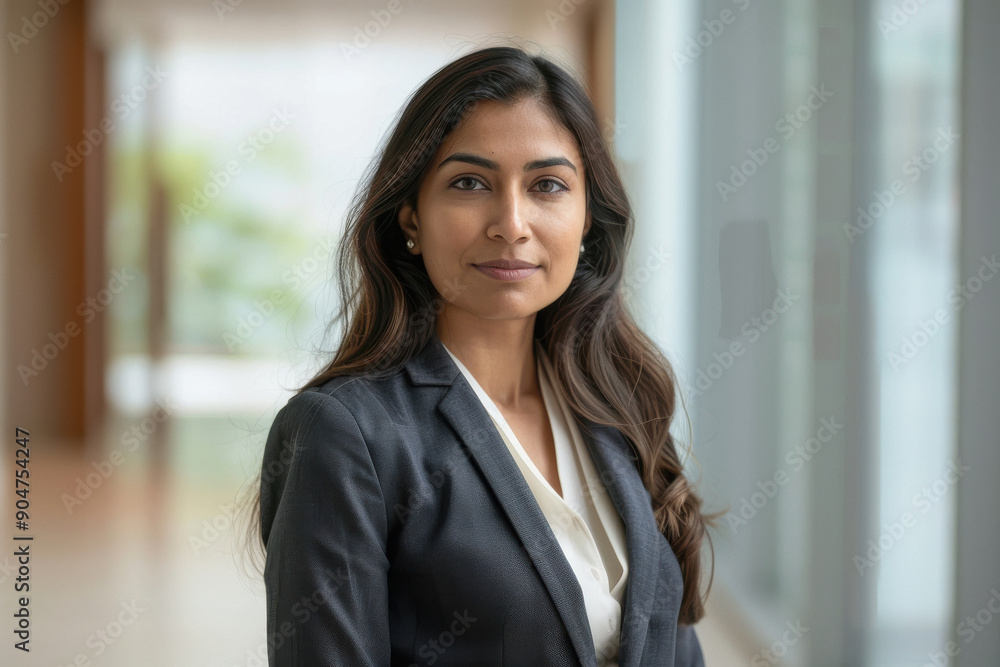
(596, 573)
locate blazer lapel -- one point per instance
(612, 456)
(616, 463)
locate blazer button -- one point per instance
(596, 573)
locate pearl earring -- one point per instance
(581, 247)
(410, 243)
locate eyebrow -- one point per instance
(486, 163)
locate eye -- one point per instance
(553, 182)
(467, 179)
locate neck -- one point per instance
(500, 354)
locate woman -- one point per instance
(484, 474)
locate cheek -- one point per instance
(444, 243)
(568, 260)
(565, 244)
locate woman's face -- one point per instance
(507, 183)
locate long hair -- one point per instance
(612, 373)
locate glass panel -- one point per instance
(914, 225)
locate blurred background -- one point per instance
(816, 196)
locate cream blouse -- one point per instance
(584, 519)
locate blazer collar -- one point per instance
(615, 462)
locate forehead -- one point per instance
(519, 132)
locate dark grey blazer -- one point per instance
(400, 531)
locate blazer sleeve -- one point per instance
(324, 525)
(688, 649)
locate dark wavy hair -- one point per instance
(612, 372)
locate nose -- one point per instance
(509, 221)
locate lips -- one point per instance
(507, 264)
(519, 271)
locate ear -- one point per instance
(408, 223)
(586, 225)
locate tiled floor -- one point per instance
(144, 571)
(121, 578)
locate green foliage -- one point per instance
(233, 239)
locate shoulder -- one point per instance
(383, 401)
(305, 411)
(371, 404)
(316, 456)
(337, 421)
